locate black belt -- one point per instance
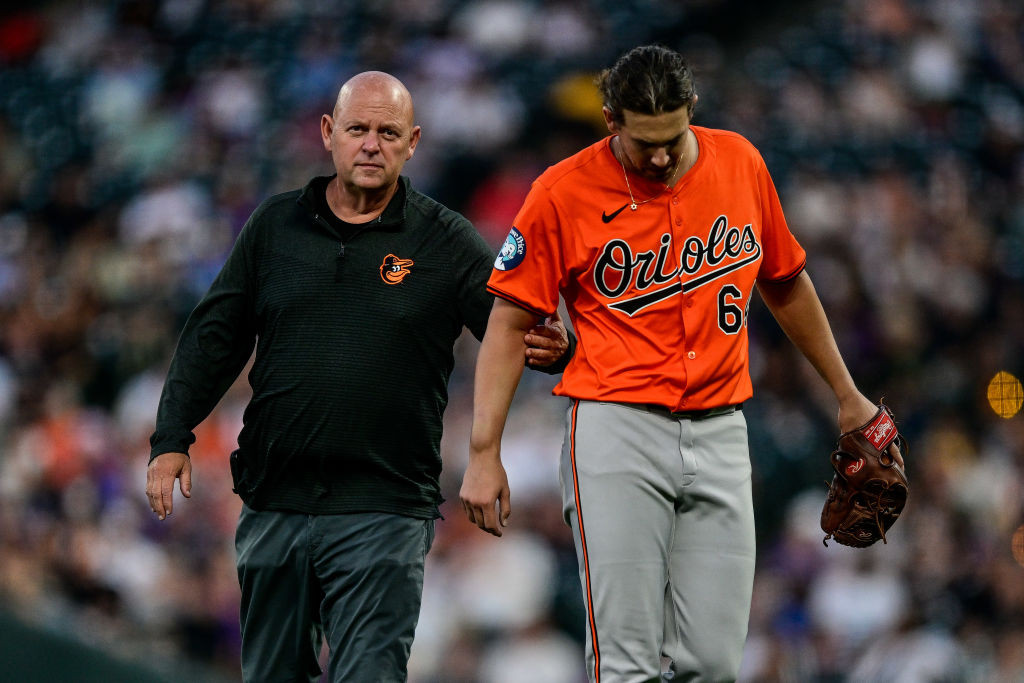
(690, 414)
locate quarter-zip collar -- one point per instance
(391, 218)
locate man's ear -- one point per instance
(609, 120)
(326, 128)
(414, 139)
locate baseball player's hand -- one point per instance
(855, 411)
(160, 476)
(484, 484)
(546, 343)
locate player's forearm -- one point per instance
(499, 367)
(799, 313)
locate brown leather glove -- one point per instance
(870, 487)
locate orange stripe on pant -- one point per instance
(583, 545)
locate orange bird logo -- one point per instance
(394, 269)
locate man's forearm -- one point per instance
(499, 367)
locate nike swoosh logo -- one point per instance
(609, 217)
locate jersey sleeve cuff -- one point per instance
(518, 302)
(787, 278)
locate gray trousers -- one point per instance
(661, 512)
(356, 578)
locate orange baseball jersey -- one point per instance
(658, 297)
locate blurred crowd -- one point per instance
(137, 136)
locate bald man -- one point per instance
(353, 291)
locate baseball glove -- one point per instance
(870, 487)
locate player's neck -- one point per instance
(691, 152)
(687, 160)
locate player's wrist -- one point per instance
(848, 393)
(484, 451)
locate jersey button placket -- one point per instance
(678, 238)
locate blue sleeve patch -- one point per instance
(512, 251)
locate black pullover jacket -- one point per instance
(353, 353)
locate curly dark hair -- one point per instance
(650, 79)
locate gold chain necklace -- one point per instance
(633, 203)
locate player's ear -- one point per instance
(609, 120)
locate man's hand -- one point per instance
(160, 476)
(546, 343)
(483, 484)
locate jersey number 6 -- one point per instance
(731, 316)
